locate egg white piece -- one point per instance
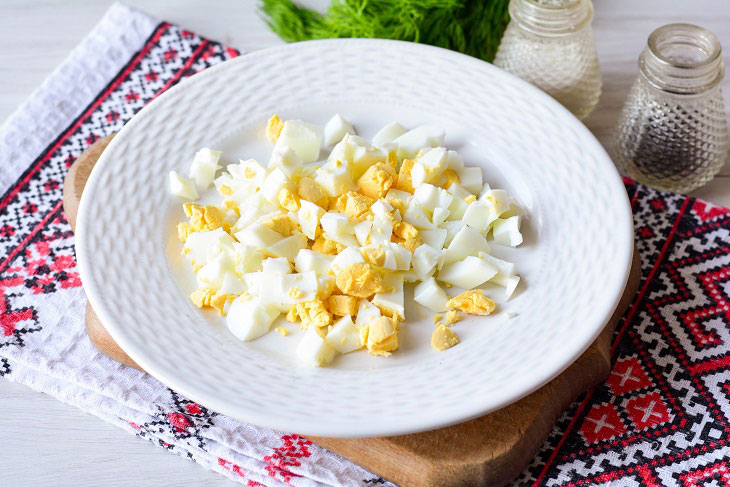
(346, 258)
(309, 216)
(309, 260)
(211, 274)
(416, 215)
(314, 350)
(284, 158)
(468, 273)
(507, 232)
(344, 336)
(333, 180)
(425, 260)
(289, 247)
(497, 200)
(453, 160)
(397, 194)
(247, 258)
(452, 228)
(467, 241)
(304, 138)
(434, 237)
(250, 319)
(471, 178)
(366, 312)
(478, 216)
(250, 171)
(431, 197)
(411, 142)
(204, 166)
(278, 265)
(180, 186)
(337, 224)
(201, 247)
(389, 133)
(275, 181)
(231, 285)
(401, 254)
(439, 216)
(362, 231)
(258, 235)
(336, 128)
(429, 294)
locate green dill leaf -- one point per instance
(473, 27)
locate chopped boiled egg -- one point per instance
(507, 232)
(315, 350)
(179, 186)
(467, 273)
(333, 244)
(204, 166)
(389, 133)
(344, 336)
(303, 138)
(429, 294)
(336, 128)
(249, 318)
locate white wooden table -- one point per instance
(45, 442)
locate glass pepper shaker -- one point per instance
(550, 44)
(672, 133)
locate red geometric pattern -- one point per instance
(661, 418)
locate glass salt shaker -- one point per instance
(672, 133)
(550, 44)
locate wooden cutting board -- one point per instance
(487, 451)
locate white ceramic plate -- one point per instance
(574, 261)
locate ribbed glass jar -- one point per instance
(672, 133)
(550, 44)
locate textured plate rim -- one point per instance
(317, 428)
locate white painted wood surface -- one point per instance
(46, 442)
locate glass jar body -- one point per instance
(565, 64)
(671, 141)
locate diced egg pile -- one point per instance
(330, 244)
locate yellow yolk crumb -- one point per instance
(405, 230)
(273, 128)
(313, 313)
(443, 338)
(359, 280)
(208, 298)
(183, 231)
(373, 255)
(311, 191)
(292, 316)
(377, 180)
(329, 247)
(473, 302)
(281, 224)
(380, 336)
(295, 293)
(411, 244)
(446, 285)
(341, 305)
(338, 203)
(392, 160)
(404, 182)
(225, 190)
(451, 318)
(436, 319)
(203, 218)
(390, 313)
(282, 331)
(470, 199)
(288, 200)
(397, 204)
(450, 177)
(356, 204)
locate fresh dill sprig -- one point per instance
(473, 27)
